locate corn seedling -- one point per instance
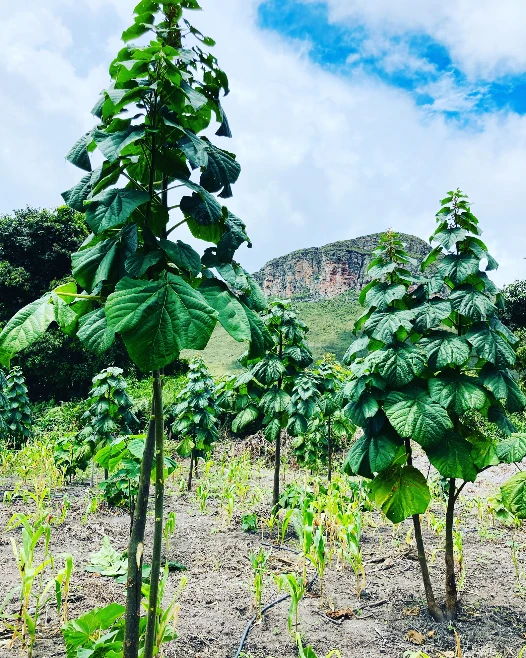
(296, 589)
(62, 581)
(458, 548)
(202, 493)
(169, 530)
(259, 562)
(318, 557)
(308, 652)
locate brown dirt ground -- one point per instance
(217, 603)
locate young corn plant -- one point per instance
(264, 389)
(196, 416)
(423, 356)
(259, 561)
(132, 276)
(296, 589)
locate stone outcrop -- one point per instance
(324, 272)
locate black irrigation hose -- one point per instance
(271, 605)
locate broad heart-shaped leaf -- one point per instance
(358, 345)
(157, 319)
(514, 494)
(111, 144)
(244, 417)
(113, 207)
(272, 430)
(65, 316)
(25, 327)
(370, 455)
(458, 267)
(468, 301)
(385, 325)
(496, 415)
(452, 457)
(233, 237)
(182, 255)
(139, 263)
(78, 155)
(94, 332)
(431, 314)
(457, 392)
(93, 264)
(489, 344)
(361, 409)
(399, 363)
(483, 451)
(202, 207)
(446, 349)
(193, 147)
(76, 196)
(231, 314)
(414, 415)
(401, 492)
(382, 294)
(274, 401)
(221, 171)
(269, 370)
(449, 237)
(503, 387)
(512, 449)
(260, 339)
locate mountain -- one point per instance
(326, 272)
(324, 283)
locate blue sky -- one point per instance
(349, 116)
(350, 49)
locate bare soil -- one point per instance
(216, 604)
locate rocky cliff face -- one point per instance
(324, 272)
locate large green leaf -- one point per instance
(446, 349)
(399, 363)
(512, 449)
(457, 392)
(382, 452)
(231, 314)
(503, 387)
(484, 451)
(65, 316)
(221, 171)
(449, 237)
(385, 325)
(468, 301)
(401, 492)
(202, 207)
(458, 267)
(452, 457)
(382, 294)
(233, 237)
(182, 255)
(113, 207)
(357, 459)
(25, 327)
(76, 196)
(489, 344)
(514, 494)
(94, 331)
(157, 319)
(275, 401)
(260, 339)
(361, 409)
(111, 144)
(415, 415)
(244, 417)
(139, 263)
(78, 155)
(97, 263)
(431, 314)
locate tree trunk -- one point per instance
(451, 585)
(434, 609)
(136, 548)
(277, 463)
(190, 474)
(151, 627)
(329, 449)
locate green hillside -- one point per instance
(329, 320)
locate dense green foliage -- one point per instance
(17, 412)
(196, 416)
(423, 357)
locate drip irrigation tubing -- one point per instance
(274, 603)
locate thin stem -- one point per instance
(451, 585)
(277, 460)
(329, 449)
(151, 627)
(136, 548)
(434, 609)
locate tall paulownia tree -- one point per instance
(264, 390)
(424, 356)
(132, 275)
(196, 416)
(316, 418)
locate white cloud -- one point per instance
(485, 37)
(324, 158)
